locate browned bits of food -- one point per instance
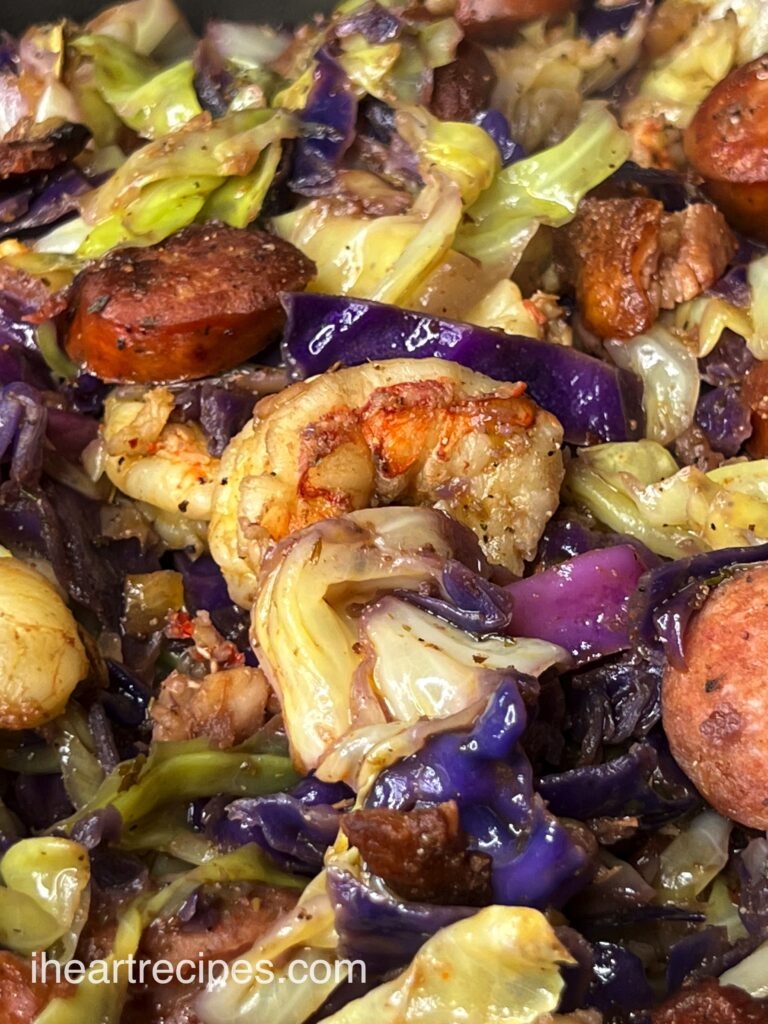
(463, 88)
(245, 911)
(196, 304)
(22, 998)
(226, 706)
(627, 259)
(421, 854)
(45, 297)
(494, 21)
(727, 143)
(711, 1003)
(40, 147)
(715, 709)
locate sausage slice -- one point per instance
(715, 710)
(40, 147)
(494, 22)
(727, 143)
(198, 303)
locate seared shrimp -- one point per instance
(421, 432)
(165, 465)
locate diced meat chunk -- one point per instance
(421, 854)
(628, 258)
(696, 246)
(463, 88)
(226, 706)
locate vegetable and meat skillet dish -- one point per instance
(384, 516)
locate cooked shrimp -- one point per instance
(421, 432)
(166, 465)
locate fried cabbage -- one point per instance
(147, 98)
(670, 374)
(163, 186)
(543, 189)
(500, 966)
(44, 881)
(381, 258)
(637, 488)
(306, 631)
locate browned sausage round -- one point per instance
(40, 147)
(727, 143)
(196, 304)
(715, 710)
(494, 21)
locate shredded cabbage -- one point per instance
(183, 771)
(636, 488)
(500, 966)
(97, 997)
(307, 934)
(542, 80)
(670, 374)
(464, 152)
(164, 185)
(694, 858)
(543, 189)
(306, 626)
(757, 276)
(149, 100)
(422, 666)
(43, 883)
(382, 258)
(150, 27)
(504, 308)
(706, 317)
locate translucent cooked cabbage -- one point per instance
(308, 934)
(751, 974)
(183, 771)
(694, 858)
(464, 152)
(44, 881)
(757, 276)
(543, 79)
(637, 489)
(543, 189)
(421, 666)
(669, 371)
(147, 98)
(706, 317)
(305, 629)
(500, 966)
(381, 258)
(150, 27)
(164, 185)
(677, 83)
